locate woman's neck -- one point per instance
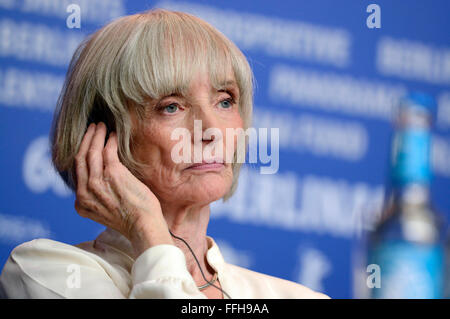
(190, 223)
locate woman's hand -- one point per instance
(108, 193)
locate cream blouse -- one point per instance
(105, 268)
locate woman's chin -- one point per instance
(207, 189)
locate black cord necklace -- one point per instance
(209, 283)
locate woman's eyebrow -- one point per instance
(176, 94)
(155, 102)
(230, 85)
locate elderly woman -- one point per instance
(129, 86)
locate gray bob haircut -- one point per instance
(115, 71)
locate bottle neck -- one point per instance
(410, 162)
(410, 167)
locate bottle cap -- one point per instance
(420, 101)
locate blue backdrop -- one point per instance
(324, 78)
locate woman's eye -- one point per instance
(171, 108)
(226, 104)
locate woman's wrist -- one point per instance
(149, 235)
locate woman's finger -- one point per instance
(95, 156)
(81, 168)
(110, 155)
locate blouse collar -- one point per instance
(116, 240)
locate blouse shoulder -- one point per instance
(45, 250)
(43, 268)
(259, 285)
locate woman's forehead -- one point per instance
(203, 81)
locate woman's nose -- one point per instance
(208, 118)
(206, 121)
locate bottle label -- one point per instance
(408, 270)
(411, 157)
